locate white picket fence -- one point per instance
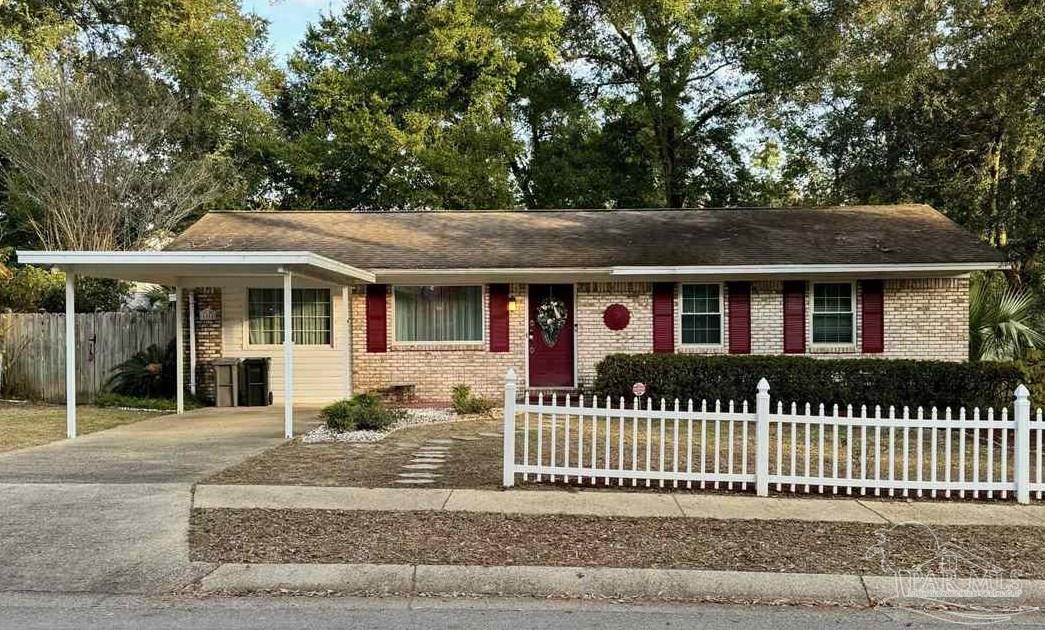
(895, 452)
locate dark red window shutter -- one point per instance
(872, 316)
(498, 318)
(663, 317)
(376, 318)
(795, 317)
(739, 317)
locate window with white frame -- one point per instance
(701, 314)
(833, 313)
(438, 314)
(310, 316)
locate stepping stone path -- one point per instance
(428, 458)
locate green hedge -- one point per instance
(801, 380)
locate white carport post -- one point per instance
(70, 354)
(179, 336)
(288, 356)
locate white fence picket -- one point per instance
(677, 450)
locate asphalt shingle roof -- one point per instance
(894, 234)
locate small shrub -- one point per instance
(465, 403)
(802, 379)
(363, 412)
(111, 399)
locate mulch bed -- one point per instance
(322, 536)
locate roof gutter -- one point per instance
(206, 261)
(740, 270)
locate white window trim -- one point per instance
(278, 346)
(483, 305)
(836, 347)
(721, 315)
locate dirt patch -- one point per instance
(474, 462)
(322, 536)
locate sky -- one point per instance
(288, 19)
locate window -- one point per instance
(438, 314)
(701, 314)
(310, 315)
(833, 313)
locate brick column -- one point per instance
(208, 340)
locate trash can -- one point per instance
(226, 382)
(254, 382)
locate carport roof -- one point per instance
(167, 266)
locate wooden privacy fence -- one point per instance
(32, 350)
(894, 452)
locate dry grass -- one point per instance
(630, 444)
(28, 424)
(472, 463)
(326, 536)
(477, 464)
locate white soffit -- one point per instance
(166, 267)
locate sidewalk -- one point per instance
(623, 504)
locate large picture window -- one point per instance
(833, 313)
(438, 314)
(310, 314)
(701, 314)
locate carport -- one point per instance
(168, 268)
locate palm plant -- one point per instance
(148, 373)
(1001, 322)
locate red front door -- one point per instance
(551, 358)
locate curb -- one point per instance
(590, 582)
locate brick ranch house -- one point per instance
(420, 301)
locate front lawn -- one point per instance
(32, 424)
(473, 459)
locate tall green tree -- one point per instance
(406, 105)
(940, 102)
(686, 71)
(207, 56)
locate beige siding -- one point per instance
(319, 371)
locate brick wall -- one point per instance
(208, 339)
(595, 340)
(767, 317)
(927, 318)
(924, 319)
(434, 369)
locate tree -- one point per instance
(684, 71)
(940, 102)
(207, 56)
(88, 172)
(405, 105)
(1002, 324)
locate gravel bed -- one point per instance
(327, 536)
(413, 417)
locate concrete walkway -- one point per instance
(633, 504)
(108, 512)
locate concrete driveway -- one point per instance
(108, 512)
